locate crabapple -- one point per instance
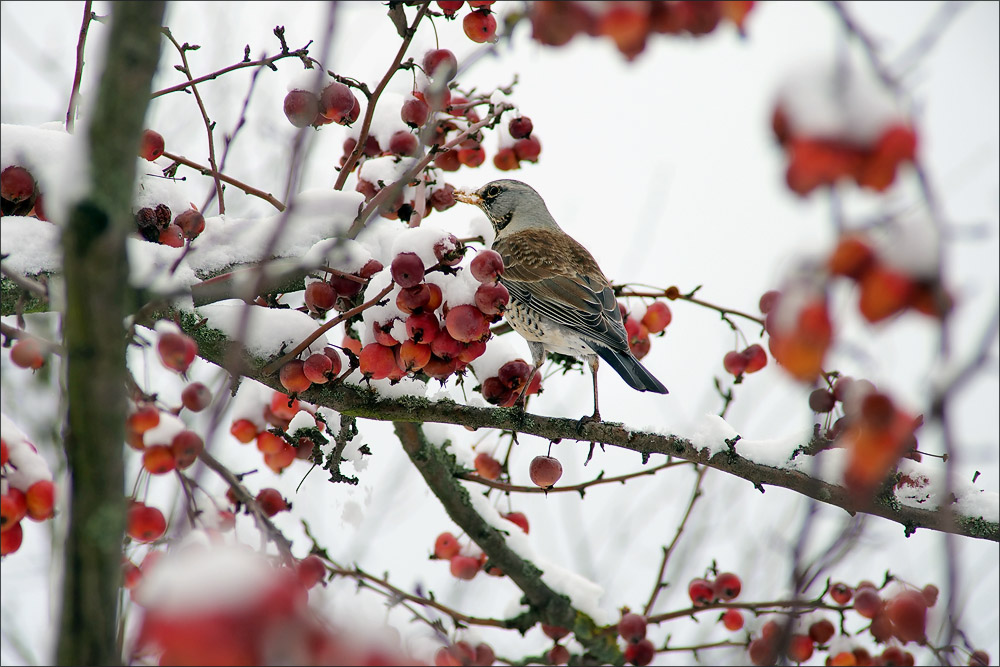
(821, 631)
(403, 143)
(554, 632)
(271, 501)
(413, 299)
(727, 586)
(145, 523)
(867, 602)
(440, 63)
(176, 351)
(755, 357)
(527, 149)
(466, 323)
(407, 269)
(301, 107)
(446, 546)
(27, 353)
(732, 619)
(701, 592)
(310, 570)
(293, 378)
(518, 518)
(506, 159)
(464, 567)
(40, 500)
(151, 145)
(640, 653)
(800, 648)
(449, 7)
(317, 368)
(545, 471)
(520, 127)
(657, 317)
(158, 459)
(196, 397)
(414, 112)
(172, 236)
(480, 26)
(413, 356)
(632, 627)
(376, 361)
(487, 466)
(336, 102)
(16, 185)
(243, 430)
(487, 266)
(734, 363)
(191, 223)
(492, 299)
(186, 446)
(840, 592)
(559, 655)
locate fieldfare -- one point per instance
(560, 300)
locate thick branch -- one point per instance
(437, 467)
(96, 270)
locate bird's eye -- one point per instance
(493, 191)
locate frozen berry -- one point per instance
(545, 471)
(301, 107)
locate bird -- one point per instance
(560, 300)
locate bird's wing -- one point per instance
(556, 276)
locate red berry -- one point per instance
(447, 160)
(176, 351)
(472, 157)
(520, 127)
(480, 26)
(545, 471)
(632, 627)
(487, 466)
(445, 347)
(301, 107)
(732, 619)
(407, 269)
(839, 592)
(485, 656)
(345, 286)
(317, 368)
(449, 7)
(727, 586)
(492, 299)
(528, 149)
(144, 523)
(443, 198)
(16, 185)
(336, 363)
(908, 613)
(701, 592)
(413, 356)
(506, 159)
(320, 296)
(293, 378)
(641, 653)
(520, 519)
(800, 648)
(657, 317)
(446, 546)
(186, 447)
(487, 266)
(403, 143)
(762, 652)
(13, 507)
(440, 63)
(271, 501)
(734, 363)
(930, 593)
(191, 222)
(559, 655)
(27, 353)
(480, 4)
(310, 570)
(413, 299)
(867, 602)
(768, 300)
(196, 397)
(10, 541)
(755, 357)
(158, 459)
(554, 632)
(466, 323)
(821, 631)
(336, 102)
(40, 500)
(151, 145)
(377, 361)
(821, 400)
(422, 327)
(976, 658)
(244, 430)
(464, 567)
(269, 443)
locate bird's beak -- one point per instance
(468, 197)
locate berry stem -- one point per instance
(579, 488)
(208, 171)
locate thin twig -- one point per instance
(74, 95)
(373, 100)
(208, 171)
(659, 585)
(209, 125)
(263, 62)
(579, 488)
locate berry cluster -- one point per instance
(19, 193)
(157, 224)
(279, 447)
(884, 290)
(653, 322)
(725, 587)
(26, 487)
(815, 161)
(897, 619)
(638, 649)
(524, 146)
(510, 382)
(335, 104)
(799, 329)
(463, 653)
(629, 24)
(748, 360)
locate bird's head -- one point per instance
(510, 205)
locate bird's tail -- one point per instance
(630, 369)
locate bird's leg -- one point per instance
(594, 361)
(537, 351)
